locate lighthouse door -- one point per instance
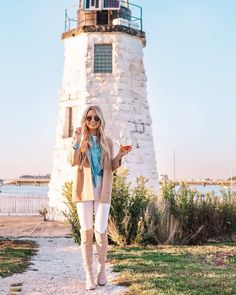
(102, 17)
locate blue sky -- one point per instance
(190, 61)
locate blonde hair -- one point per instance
(85, 143)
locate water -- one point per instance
(211, 188)
(43, 189)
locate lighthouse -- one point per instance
(104, 41)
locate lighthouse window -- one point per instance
(103, 58)
(111, 4)
(70, 127)
(70, 121)
(92, 4)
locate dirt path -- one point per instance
(32, 226)
(56, 269)
(57, 266)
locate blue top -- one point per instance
(94, 154)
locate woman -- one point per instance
(92, 154)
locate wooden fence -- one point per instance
(22, 204)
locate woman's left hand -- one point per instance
(124, 150)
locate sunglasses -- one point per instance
(96, 118)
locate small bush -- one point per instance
(128, 207)
(43, 211)
(72, 215)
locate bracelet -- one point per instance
(75, 146)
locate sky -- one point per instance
(190, 62)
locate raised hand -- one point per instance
(77, 135)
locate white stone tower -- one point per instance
(104, 66)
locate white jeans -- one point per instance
(85, 212)
(86, 209)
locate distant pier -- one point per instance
(27, 181)
(201, 182)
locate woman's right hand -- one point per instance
(77, 135)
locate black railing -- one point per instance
(130, 16)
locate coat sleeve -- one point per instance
(73, 157)
(116, 162)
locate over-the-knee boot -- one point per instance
(101, 246)
(87, 255)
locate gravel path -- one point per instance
(57, 269)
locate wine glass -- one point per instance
(126, 144)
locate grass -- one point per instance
(176, 270)
(15, 256)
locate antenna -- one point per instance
(231, 183)
(174, 163)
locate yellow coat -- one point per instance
(82, 189)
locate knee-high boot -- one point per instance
(87, 255)
(101, 246)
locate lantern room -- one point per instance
(105, 15)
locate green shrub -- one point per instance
(198, 216)
(226, 213)
(128, 207)
(71, 215)
(174, 216)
